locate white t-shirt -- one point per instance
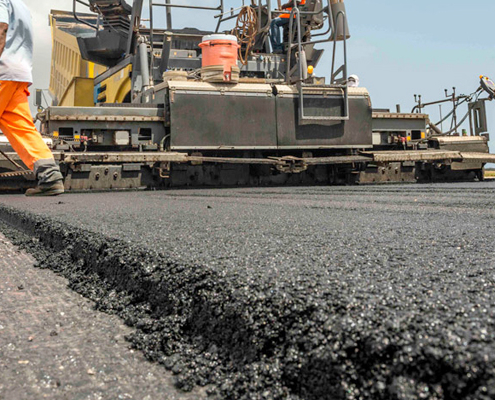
(16, 62)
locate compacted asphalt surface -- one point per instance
(381, 292)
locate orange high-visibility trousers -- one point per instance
(17, 125)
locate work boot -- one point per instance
(50, 180)
(47, 189)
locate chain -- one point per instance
(15, 174)
(20, 172)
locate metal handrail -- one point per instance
(168, 5)
(344, 65)
(295, 11)
(266, 28)
(260, 7)
(328, 10)
(229, 11)
(186, 6)
(340, 17)
(332, 36)
(74, 12)
(152, 53)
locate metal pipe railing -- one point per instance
(169, 15)
(168, 5)
(232, 10)
(330, 30)
(260, 8)
(266, 28)
(152, 53)
(339, 18)
(344, 22)
(186, 6)
(74, 12)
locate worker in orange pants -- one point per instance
(16, 53)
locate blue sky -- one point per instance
(402, 48)
(398, 48)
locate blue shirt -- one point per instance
(16, 62)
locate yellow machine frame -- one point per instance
(72, 78)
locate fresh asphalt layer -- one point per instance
(382, 292)
(53, 345)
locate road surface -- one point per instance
(302, 293)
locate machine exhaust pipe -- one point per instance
(143, 58)
(304, 64)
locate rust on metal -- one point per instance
(389, 115)
(418, 155)
(478, 157)
(15, 174)
(126, 157)
(106, 118)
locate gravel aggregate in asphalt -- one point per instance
(381, 292)
(53, 345)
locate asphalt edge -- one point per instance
(198, 324)
(188, 318)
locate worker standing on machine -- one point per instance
(276, 38)
(16, 121)
(353, 81)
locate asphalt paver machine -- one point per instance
(160, 106)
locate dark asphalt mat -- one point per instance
(54, 345)
(301, 293)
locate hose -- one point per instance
(439, 132)
(452, 112)
(453, 129)
(246, 30)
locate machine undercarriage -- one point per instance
(151, 114)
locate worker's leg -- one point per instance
(17, 125)
(275, 34)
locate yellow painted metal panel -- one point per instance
(79, 93)
(118, 86)
(67, 63)
(72, 78)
